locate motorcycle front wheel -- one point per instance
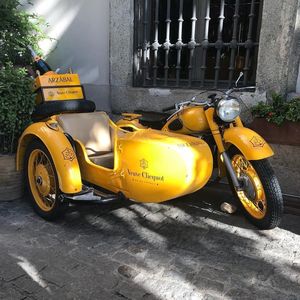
(260, 197)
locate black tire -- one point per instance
(50, 108)
(273, 194)
(59, 207)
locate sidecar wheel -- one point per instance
(261, 198)
(42, 182)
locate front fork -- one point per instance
(220, 145)
(235, 181)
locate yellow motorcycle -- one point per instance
(73, 153)
(238, 152)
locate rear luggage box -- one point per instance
(57, 87)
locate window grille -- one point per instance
(195, 43)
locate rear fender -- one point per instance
(63, 156)
(251, 144)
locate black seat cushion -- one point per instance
(50, 108)
(153, 119)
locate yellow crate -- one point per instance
(62, 93)
(53, 80)
(57, 87)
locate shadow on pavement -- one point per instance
(177, 250)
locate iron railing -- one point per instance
(195, 43)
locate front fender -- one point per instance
(251, 144)
(63, 156)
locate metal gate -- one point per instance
(195, 43)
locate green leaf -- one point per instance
(278, 110)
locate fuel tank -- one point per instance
(192, 120)
(159, 166)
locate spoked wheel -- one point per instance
(42, 182)
(260, 196)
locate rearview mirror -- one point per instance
(240, 76)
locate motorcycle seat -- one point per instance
(153, 119)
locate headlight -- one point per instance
(228, 110)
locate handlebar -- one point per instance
(212, 98)
(228, 92)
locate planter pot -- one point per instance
(11, 181)
(286, 164)
(286, 134)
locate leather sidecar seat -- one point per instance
(94, 132)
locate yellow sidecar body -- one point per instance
(145, 165)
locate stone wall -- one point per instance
(279, 50)
(278, 57)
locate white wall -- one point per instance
(81, 32)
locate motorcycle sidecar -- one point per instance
(75, 156)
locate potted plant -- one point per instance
(278, 121)
(17, 30)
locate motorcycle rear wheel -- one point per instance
(260, 198)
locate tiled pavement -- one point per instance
(183, 249)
